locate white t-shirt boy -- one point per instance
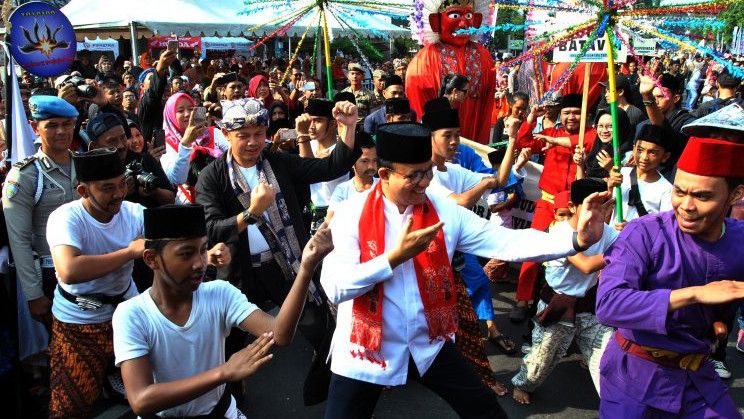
(565, 278)
(177, 352)
(72, 225)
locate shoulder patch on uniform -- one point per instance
(25, 162)
(11, 189)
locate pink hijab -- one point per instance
(253, 89)
(173, 134)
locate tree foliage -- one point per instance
(733, 16)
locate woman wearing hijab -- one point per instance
(279, 113)
(268, 91)
(596, 162)
(258, 88)
(185, 140)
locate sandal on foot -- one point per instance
(502, 343)
(500, 389)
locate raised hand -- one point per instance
(250, 359)
(346, 113)
(219, 255)
(262, 196)
(319, 246)
(411, 243)
(522, 158)
(592, 218)
(166, 58)
(605, 160)
(68, 92)
(193, 131)
(512, 125)
(156, 152)
(302, 124)
(647, 85)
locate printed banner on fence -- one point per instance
(596, 53)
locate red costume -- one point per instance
(455, 54)
(559, 171)
(575, 83)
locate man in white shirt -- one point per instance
(392, 280)
(317, 137)
(170, 340)
(364, 170)
(644, 189)
(466, 188)
(94, 241)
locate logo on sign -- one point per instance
(42, 40)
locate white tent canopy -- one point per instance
(239, 45)
(99, 44)
(195, 17)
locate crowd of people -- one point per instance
(171, 205)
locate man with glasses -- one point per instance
(390, 274)
(33, 189)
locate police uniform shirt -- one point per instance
(33, 189)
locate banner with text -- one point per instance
(597, 52)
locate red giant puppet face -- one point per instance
(454, 15)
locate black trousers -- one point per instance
(316, 325)
(449, 376)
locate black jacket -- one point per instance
(152, 102)
(215, 192)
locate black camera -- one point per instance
(84, 89)
(141, 178)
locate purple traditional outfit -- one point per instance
(651, 258)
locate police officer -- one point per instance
(33, 189)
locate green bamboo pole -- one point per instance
(329, 73)
(613, 113)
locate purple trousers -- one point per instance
(695, 407)
(633, 388)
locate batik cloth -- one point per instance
(79, 357)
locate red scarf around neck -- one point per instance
(436, 283)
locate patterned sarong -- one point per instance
(79, 357)
(469, 338)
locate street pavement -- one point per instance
(276, 390)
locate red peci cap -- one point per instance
(561, 200)
(711, 157)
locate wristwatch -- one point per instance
(575, 239)
(249, 218)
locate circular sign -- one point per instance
(42, 40)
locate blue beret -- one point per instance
(45, 107)
(141, 78)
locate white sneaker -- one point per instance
(721, 369)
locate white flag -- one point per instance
(22, 135)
